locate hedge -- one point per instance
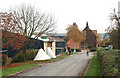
(3, 59)
(108, 62)
(30, 55)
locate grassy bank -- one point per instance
(94, 68)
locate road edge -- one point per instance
(86, 67)
(31, 68)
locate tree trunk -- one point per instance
(25, 48)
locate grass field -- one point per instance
(94, 68)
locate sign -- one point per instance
(43, 37)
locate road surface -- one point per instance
(70, 66)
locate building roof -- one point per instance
(87, 27)
(56, 34)
(55, 39)
(50, 39)
(95, 32)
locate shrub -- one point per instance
(30, 54)
(93, 49)
(19, 57)
(3, 59)
(90, 46)
(108, 62)
(10, 60)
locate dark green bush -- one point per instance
(3, 59)
(30, 54)
(19, 57)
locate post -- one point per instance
(74, 47)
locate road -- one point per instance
(70, 66)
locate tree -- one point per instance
(75, 34)
(99, 40)
(33, 23)
(114, 29)
(10, 32)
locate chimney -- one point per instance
(74, 24)
(87, 24)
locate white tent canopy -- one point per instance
(50, 53)
(41, 55)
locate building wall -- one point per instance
(70, 44)
(60, 46)
(57, 47)
(91, 37)
(50, 44)
(35, 44)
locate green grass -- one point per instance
(94, 68)
(8, 71)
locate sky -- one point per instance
(96, 12)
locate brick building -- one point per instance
(71, 44)
(91, 38)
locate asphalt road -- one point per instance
(70, 66)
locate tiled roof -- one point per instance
(95, 32)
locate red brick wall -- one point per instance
(70, 44)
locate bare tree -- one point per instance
(114, 29)
(32, 23)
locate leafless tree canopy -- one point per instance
(32, 22)
(114, 30)
(115, 21)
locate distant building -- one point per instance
(55, 43)
(91, 38)
(90, 35)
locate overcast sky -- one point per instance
(96, 12)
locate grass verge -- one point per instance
(94, 68)
(8, 71)
(16, 67)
